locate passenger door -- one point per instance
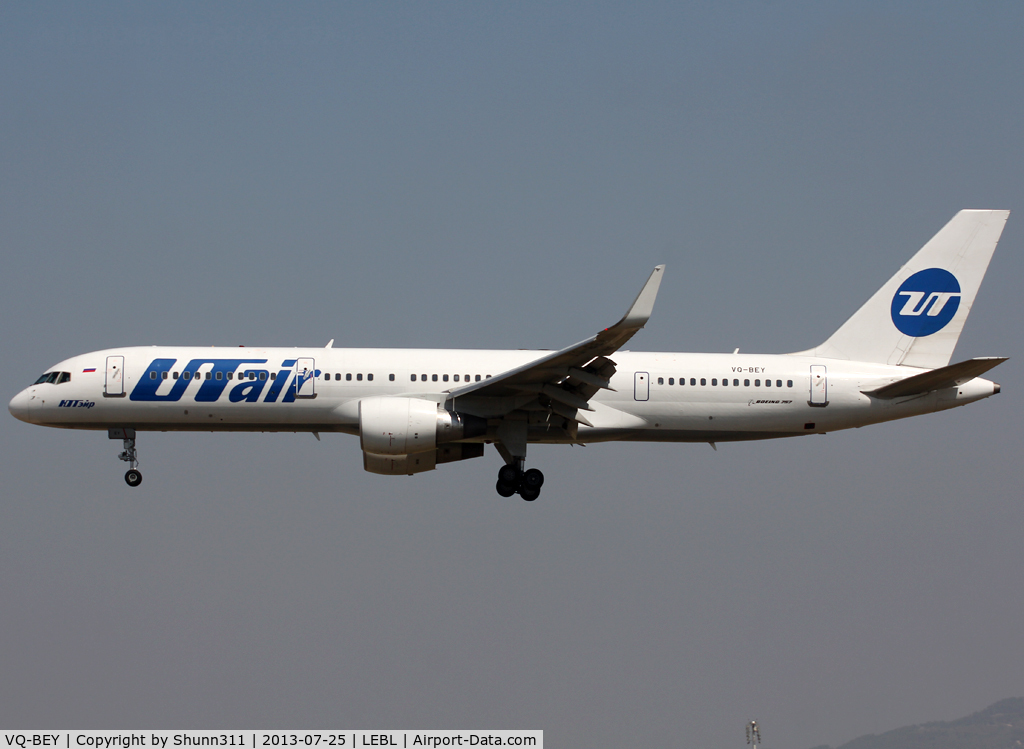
(819, 385)
(113, 384)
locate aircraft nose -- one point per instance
(20, 405)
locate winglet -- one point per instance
(643, 306)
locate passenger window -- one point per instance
(263, 375)
(487, 377)
(412, 377)
(165, 375)
(175, 375)
(778, 383)
(370, 377)
(767, 383)
(444, 377)
(220, 375)
(273, 375)
(327, 375)
(735, 383)
(789, 383)
(455, 377)
(671, 380)
(391, 377)
(478, 378)
(152, 375)
(433, 378)
(231, 375)
(252, 375)
(359, 377)
(703, 381)
(725, 382)
(64, 377)
(661, 380)
(693, 380)
(186, 375)
(348, 376)
(714, 381)
(746, 383)
(757, 383)
(423, 378)
(337, 376)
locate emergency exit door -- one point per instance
(305, 378)
(641, 386)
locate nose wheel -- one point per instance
(133, 477)
(512, 480)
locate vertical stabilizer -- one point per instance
(917, 317)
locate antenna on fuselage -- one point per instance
(753, 733)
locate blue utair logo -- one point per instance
(247, 388)
(926, 302)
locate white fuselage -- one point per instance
(658, 397)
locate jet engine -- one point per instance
(412, 435)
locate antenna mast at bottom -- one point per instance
(753, 733)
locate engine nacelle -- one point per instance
(409, 426)
(399, 465)
(397, 426)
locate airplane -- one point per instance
(415, 409)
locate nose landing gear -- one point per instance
(133, 477)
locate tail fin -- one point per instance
(917, 317)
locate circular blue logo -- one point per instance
(926, 302)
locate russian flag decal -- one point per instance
(89, 370)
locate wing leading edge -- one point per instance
(564, 381)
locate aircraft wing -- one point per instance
(565, 380)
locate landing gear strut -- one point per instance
(133, 477)
(512, 479)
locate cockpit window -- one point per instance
(53, 378)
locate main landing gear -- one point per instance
(133, 477)
(512, 478)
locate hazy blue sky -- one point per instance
(505, 175)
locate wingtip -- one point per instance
(642, 307)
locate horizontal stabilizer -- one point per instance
(944, 377)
